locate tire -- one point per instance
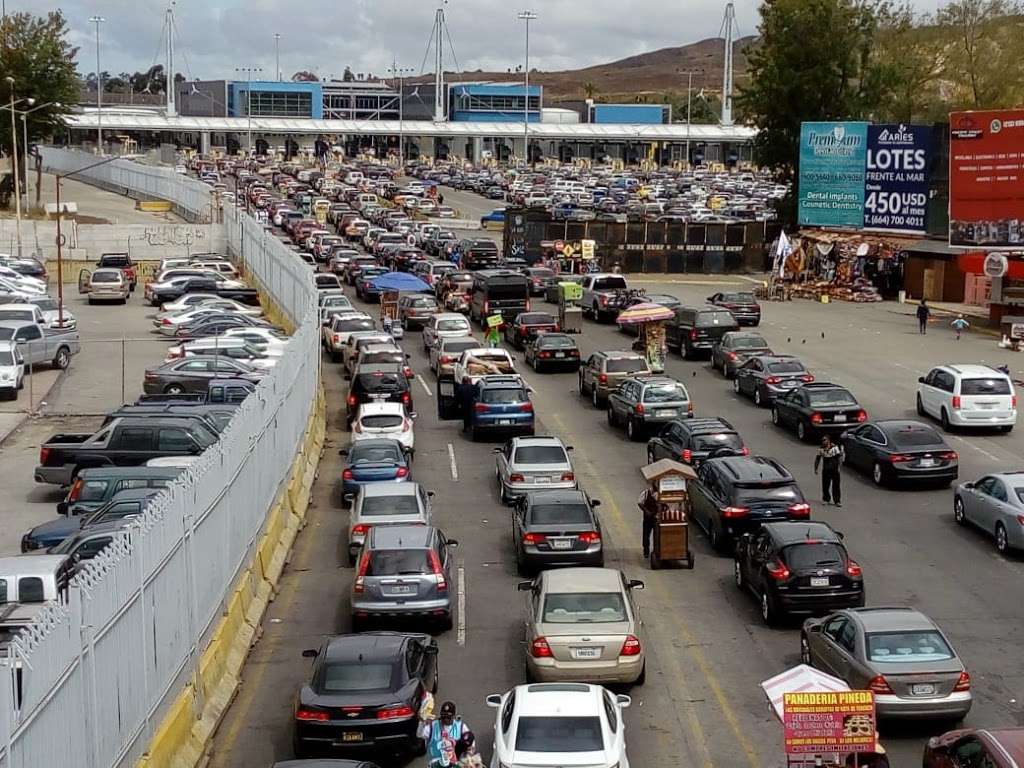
(643, 675)
(737, 575)
(611, 416)
(502, 493)
(595, 398)
(944, 421)
(579, 378)
(594, 313)
(877, 474)
(684, 350)
(351, 559)
(958, 511)
(173, 389)
(769, 613)
(62, 359)
(920, 406)
(802, 432)
(758, 400)
(1006, 428)
(775, 417)
(736, 386)
(716, 538)
(1002, 543)
(632, 430)
(650, 456)
(805, 651)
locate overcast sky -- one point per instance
(216, 36)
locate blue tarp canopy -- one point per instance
(399, 281)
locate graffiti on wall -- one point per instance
(173, 235)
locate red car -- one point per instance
(527, 325)
(971, 747)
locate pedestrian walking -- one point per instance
(923, 313)
(465, 394)
(829, 458)
(493, 337)
(440, 199)
(960, 325)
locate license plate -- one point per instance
(667, 412)
(447, 389)
(559, 354)
(922, 689)
(839, 418)
(378, 397)
(819, 581)
(788, 384)
(400, 589)
(586, 653)
(504, 422)
(352, 736)
(927, 462)
(542, 480)
(561, 544)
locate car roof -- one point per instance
(884, 619)
(893, 425)
(521, 442)
(400, 536)
(379, 408)
(366, 646)
(16, 323)
(376, 442)
(556, 497)
(798, 532)
(583, 579)
(705, 425)
(974, 370)
(1011, 740)
(557, 699)
(502, 381)
(618, 354)
(389, 489)
(752, 468)
(128, 472)
(30, 565)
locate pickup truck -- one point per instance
(218, 391)
(603, 295)
(124, 442)
(160, 293)
(120, 261)
(476, 363)
(41, 346)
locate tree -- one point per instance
(36, 53)
(305, 76)
(985, 51)
(589, 89)
(914, 51)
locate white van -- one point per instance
(968, 396)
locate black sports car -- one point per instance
(897, 450)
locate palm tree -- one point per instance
(589, 89)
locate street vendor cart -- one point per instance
(649, 319)
(667, 497)
(570, 313)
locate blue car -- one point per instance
(123, 504)
(495, 217)
(501, 404)
(374, 461)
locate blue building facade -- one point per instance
(493, 102)
(275, 99)
(633, 114)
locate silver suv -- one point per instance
(404, 571)
(643, 402)
(385, 504)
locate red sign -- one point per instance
(828, 722)
(986, 179)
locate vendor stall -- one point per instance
(666, 498)
(649, 319)
(390, 285)
(570, 313)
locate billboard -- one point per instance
(828, 722)
(896, 177)
(833, 157)
(986, 179)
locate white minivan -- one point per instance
(968, 396)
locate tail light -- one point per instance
(686, 455)
(568, 477)
(444, 359)
(602, 378)
(589, 537)
(604, 300)
(336, 337)
(631, 646)
(799, 510)
(347, 475)
(150, 375)
(862, 416)
(815, 418)
(515, 477)
(949, 456)
(406, 425)
(311, 713)
(534, 538)
(540, 649)
(772, 380)
(359, 585)
(689, 409)
(807, 377)
(898, 458)
(638, 409)
(360, 529)
(352, 400)
(44, 454)
(76, 490)
(878, 684)
(544, 354)
(402, 472)
(405, 398)
(854, 569)
(733, 513)
(956, 402)
(744, 451)
(778, 570)
(731, 355)
(357, 428)
(165, 321)
(526, 407)
(176, 353)
(408, 372)
(557, 329)
(964, 683)
(487, 307)
(481, 408)
(394, 712)
(693, 334)
(435, 566)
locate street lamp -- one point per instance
(277, 54)
(248, 99)
(97, 20)
(689, 93)
(14, 162)
(527, 16)
(24, 139)
(400, 73)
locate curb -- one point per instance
(25, 415)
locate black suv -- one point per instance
(817, 407)
(798, 568)
(741, 304)
(479, 253)
(692, 441)
(377, 382)
(737, 494)
(695, 330)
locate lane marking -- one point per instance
(461, 630)
(451, 462)
(978, 448)
(426, 389)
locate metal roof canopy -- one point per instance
(141, 121)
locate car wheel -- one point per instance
(1006, 428)
(805, 651)
(920, 406)
(595, 314)
(684, 350)
(174, 389)
(958, 511)
(351, 559)
(736, 386)
(579, 378)
(594, 398)
(775, 416)
(632, 430)
(944, 420)
(62, 359)
(715, 538)
(643, 675)
(768, 611)
(877, 474)
(728, 372)
(1002, 543)
(737, 573)
(610, 413)
(650, 456)
(801, 431)
(758, 400)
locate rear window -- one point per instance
(584, 607)
(93, 490)
(831, 397)
(376, 453)
(106, 277)
(540, 454)
(810, 555)
(749, 342)
(424, 302)
(665, 393)
(788, 366)
(381, 421)
(984, 387)
(713, 442)
(507, 289)
(915, 437)
(397, 562)
(506, 396)
(455, 324)
(625, 364)
(359, 324)
(557, 514)
(389, 505)
(738, 298)
(610, 284)
(355, 677)
(553, 341)
(459, 345)
(711, 319)
(779, 494)
(115, 261)
(537, 318)
(559, 734)
(889, 647)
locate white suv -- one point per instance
(968, 396)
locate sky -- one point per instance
(214, 37)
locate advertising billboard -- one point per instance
(896, 177)
(832, 165)
(986, 179)
(828, 722)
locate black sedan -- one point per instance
(365, 691)
(193, 374)
(557, 527)
(765, 377)
(898, 451)
(735, 348)
(741, 304)
(552, 350)
(527, 325)
(817, 407)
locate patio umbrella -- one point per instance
(399, 281)
(646, 312)
(796, 680)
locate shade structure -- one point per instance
(799, 679)
(646, 312)
(399, 281)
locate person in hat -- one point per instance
(442, 737)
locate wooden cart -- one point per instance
(666, 481)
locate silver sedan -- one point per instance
(536, 463)
(994, 504)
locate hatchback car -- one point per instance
(899, 654)
(556, 528)
(811, 409)
(501, 404)
(994, 504)
(735, 348)
(969, 747)
(695, 330)
(582, 624)
(526, 464)
(559, 724)
(404, 572)
(968, 396)
(643, 403)
(741, 304)
(552, 350)
(373, 461)
(385, 504)
(604, 371)
(797, 568)
(693, 441)
(105, 285)
(527, 325)
(897, 451)
(364, 691)
(377, 420)
(765, 377)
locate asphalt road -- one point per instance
(707, 647)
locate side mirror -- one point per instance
(494, 700)
(431, 650)
(569, 448)
(623, 701)
(414, 415)
(525, 586)
(62, 507)
(343, 452)
(920, 379)
(635, 584)
(310, 653)
(841, 535)
(595, 502)
(966, 485)
(453, 542)
(495, 450)
(430, 494)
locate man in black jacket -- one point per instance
(829, 458)
(465, 396)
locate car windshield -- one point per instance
(398, 562)
(364, 454)
(665, 393)
(106, 277)
(984, 387)
(6, 358)
(389, 505)
(787, 366)
(381, 421)
(779, 494)
(916, 437)
(713, 442)
(452, 325)
(626, 364)
(748, 342)
(540, 454)
(923, 645)
(809, 554)
(46, 305)
(560, 514)
(711, 319)
(559, 734)
(555, 341)
(538, 318)
(540, 272)
(584, 607)
(336, 301)
(6, 334)
(831, 397)
(610, 284)
(337, 678)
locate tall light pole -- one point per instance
(248, 99)
(14, 163)
(400, 73)
(97, 20)
(277, 54)
(689, 92)
(527, 16)
(24, 140)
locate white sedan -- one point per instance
(384, 420)
(559, 724)
(270, 342)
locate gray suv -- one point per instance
(404, 571)
(643, 402)
(604, 370)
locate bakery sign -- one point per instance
(828, 722)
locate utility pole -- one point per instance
(439, 106)
(97, 20)
(172, 86)
(277, 54)
(248, 100)
(527, 16)
(400, 73)
(729, 24)
(14, 164)
(689, 97)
